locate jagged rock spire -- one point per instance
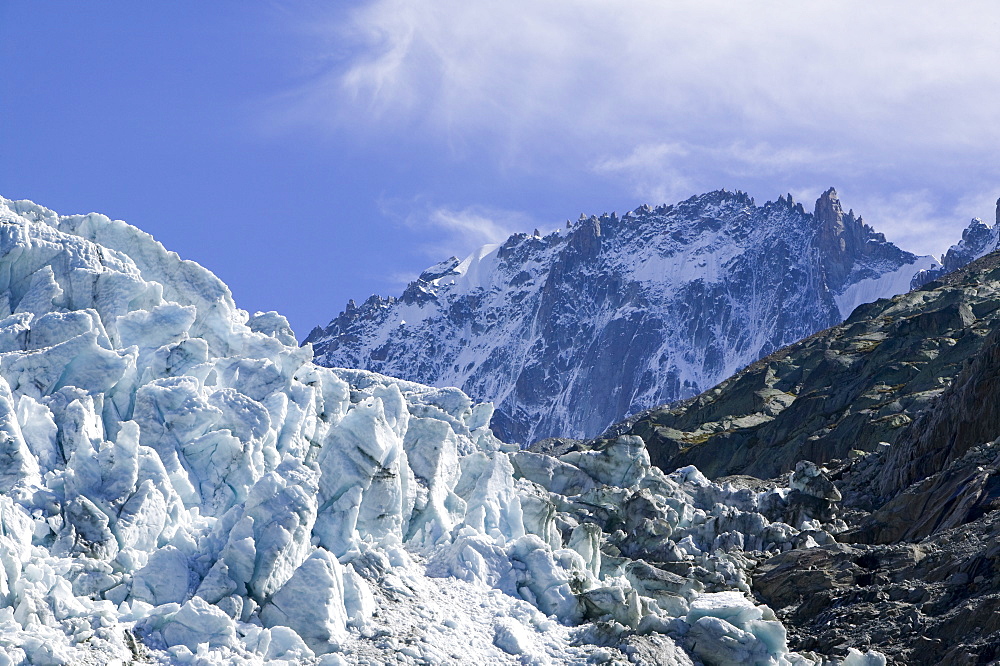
(843, 240)
(830, 216)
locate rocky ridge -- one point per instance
(569, 332)
(977, 241)
(847, 388)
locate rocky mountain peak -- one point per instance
(978, 240)
(829, 213)
(568, 331)
(836, 236)
(976, 224)
(850, 249)
(586, 238)
(789, 201)
(440, 269)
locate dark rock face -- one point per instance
(840, 235)
(932, 602)
(850, 388)
(961, 492)
(570, 332)
(966, 415)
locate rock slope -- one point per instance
(569, 332)
(900, 404)
(181, 484)
(850, 387)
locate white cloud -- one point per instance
(666, 172)
(448, 230)
(651, 171)
(398, 280)
(912, 215)
(621, 71)
(474, 226)
(673, 98)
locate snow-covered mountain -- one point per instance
(571, 331)
(180, 484)
(978, 240)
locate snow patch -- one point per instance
(886, 285)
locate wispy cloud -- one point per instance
(914, 216)
(920, 222)
(475, 225)
(665, 172)
(592, 68)
(447, 230)
(398, 281)
(653, 171)
(671, 98)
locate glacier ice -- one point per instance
(182, 484)
(311, 602)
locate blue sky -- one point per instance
(311, 152)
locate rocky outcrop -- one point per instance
(960, 493)
(849, 249)
(932, 602)
(966, 415)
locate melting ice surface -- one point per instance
(181, 484)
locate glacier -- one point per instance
(182, 484)
(572, 331)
